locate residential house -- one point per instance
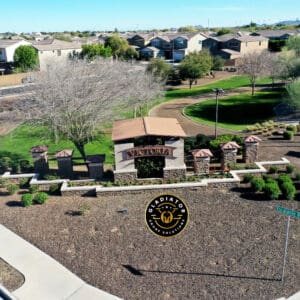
(171, 46)
(8, 47)
(233, 46)
(55, 51)
(141, 39)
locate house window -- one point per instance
(259, 43)
(155, 43)
(200, 42)
(58, 52)
(1, 52)
(233, 44)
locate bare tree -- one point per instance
(74, 98)
(253, 65)
(274, 66)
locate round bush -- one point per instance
(288, 190)
(288, 135)
(290, 169)
(273, 170)
(33, 188)
(297, 176)
(23, 183)
(257, 184)
(283, 179)
(40, 197)
(291, 128)
(272, 190)
(54, 189)
(248, 178)
(26, 200)
(12, 188)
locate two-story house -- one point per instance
(233, 46)
(8, 48)
(172, 46)
(54, 51)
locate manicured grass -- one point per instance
(225, 84)
(26, 136)
(236, 112)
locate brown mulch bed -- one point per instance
(9, 276)
(231, 249)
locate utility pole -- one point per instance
(217, 92)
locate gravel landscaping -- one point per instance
(10, 277)
(231, 249)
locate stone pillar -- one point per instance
(201, 160)
(229, 153)
(95, 165)
(124, 168)
(250, 151)
(64, 162)
(40, 159)
(175, 167)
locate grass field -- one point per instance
(25, 136)
(236, 112)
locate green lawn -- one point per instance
(236, 112)
(25, 136)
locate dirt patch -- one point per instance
(10, 278)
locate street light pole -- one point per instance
(217, 91)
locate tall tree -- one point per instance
(92, 51)
(159, 68)
(253, 65)
(72, 99)
(294, 94)
(274, 66)
(195, 65)
(293, 43)
(120, 48)
(25, 58)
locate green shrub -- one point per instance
(257, 184)
(84, 209)
(12, 188)
(248, 178)
(51, 177)
(3, 182)
(297, 175)
(34, 188)
(290, 168)
(25, 166)
(23, 183)
(273, 170)
(54, 189)
(288, 135)
(272, 190)
(40, 197)
(5, 163)
(291, 128)
(288, 190)
(224, 138)
(283, 178)
(15, 168)
(26, 200)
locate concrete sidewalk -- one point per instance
(44, 277)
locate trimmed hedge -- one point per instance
(290, 168)
(288, 135)
(12, 188)
(248, 178)
(292, 128)
(288, 190)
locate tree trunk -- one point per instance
(252, 87)
(191, 82)
(80, 148)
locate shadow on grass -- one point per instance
(139, 272)
(14, 203)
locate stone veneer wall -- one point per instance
(250, 152)
(125, 176)
(201, 165)
(174, 173)
(95, 170)
(228, 156)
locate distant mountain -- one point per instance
(289, 22)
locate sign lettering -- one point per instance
(157, 150)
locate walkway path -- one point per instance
(44, 277)
(174, 109)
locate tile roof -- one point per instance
(202, 153)
(39, 149)
(132, 128)
(252, 139)
(49, 45)
(229, 145)
(7, 43)
(64, 153)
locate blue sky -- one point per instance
(60, 15)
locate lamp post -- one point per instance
(217, 92)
